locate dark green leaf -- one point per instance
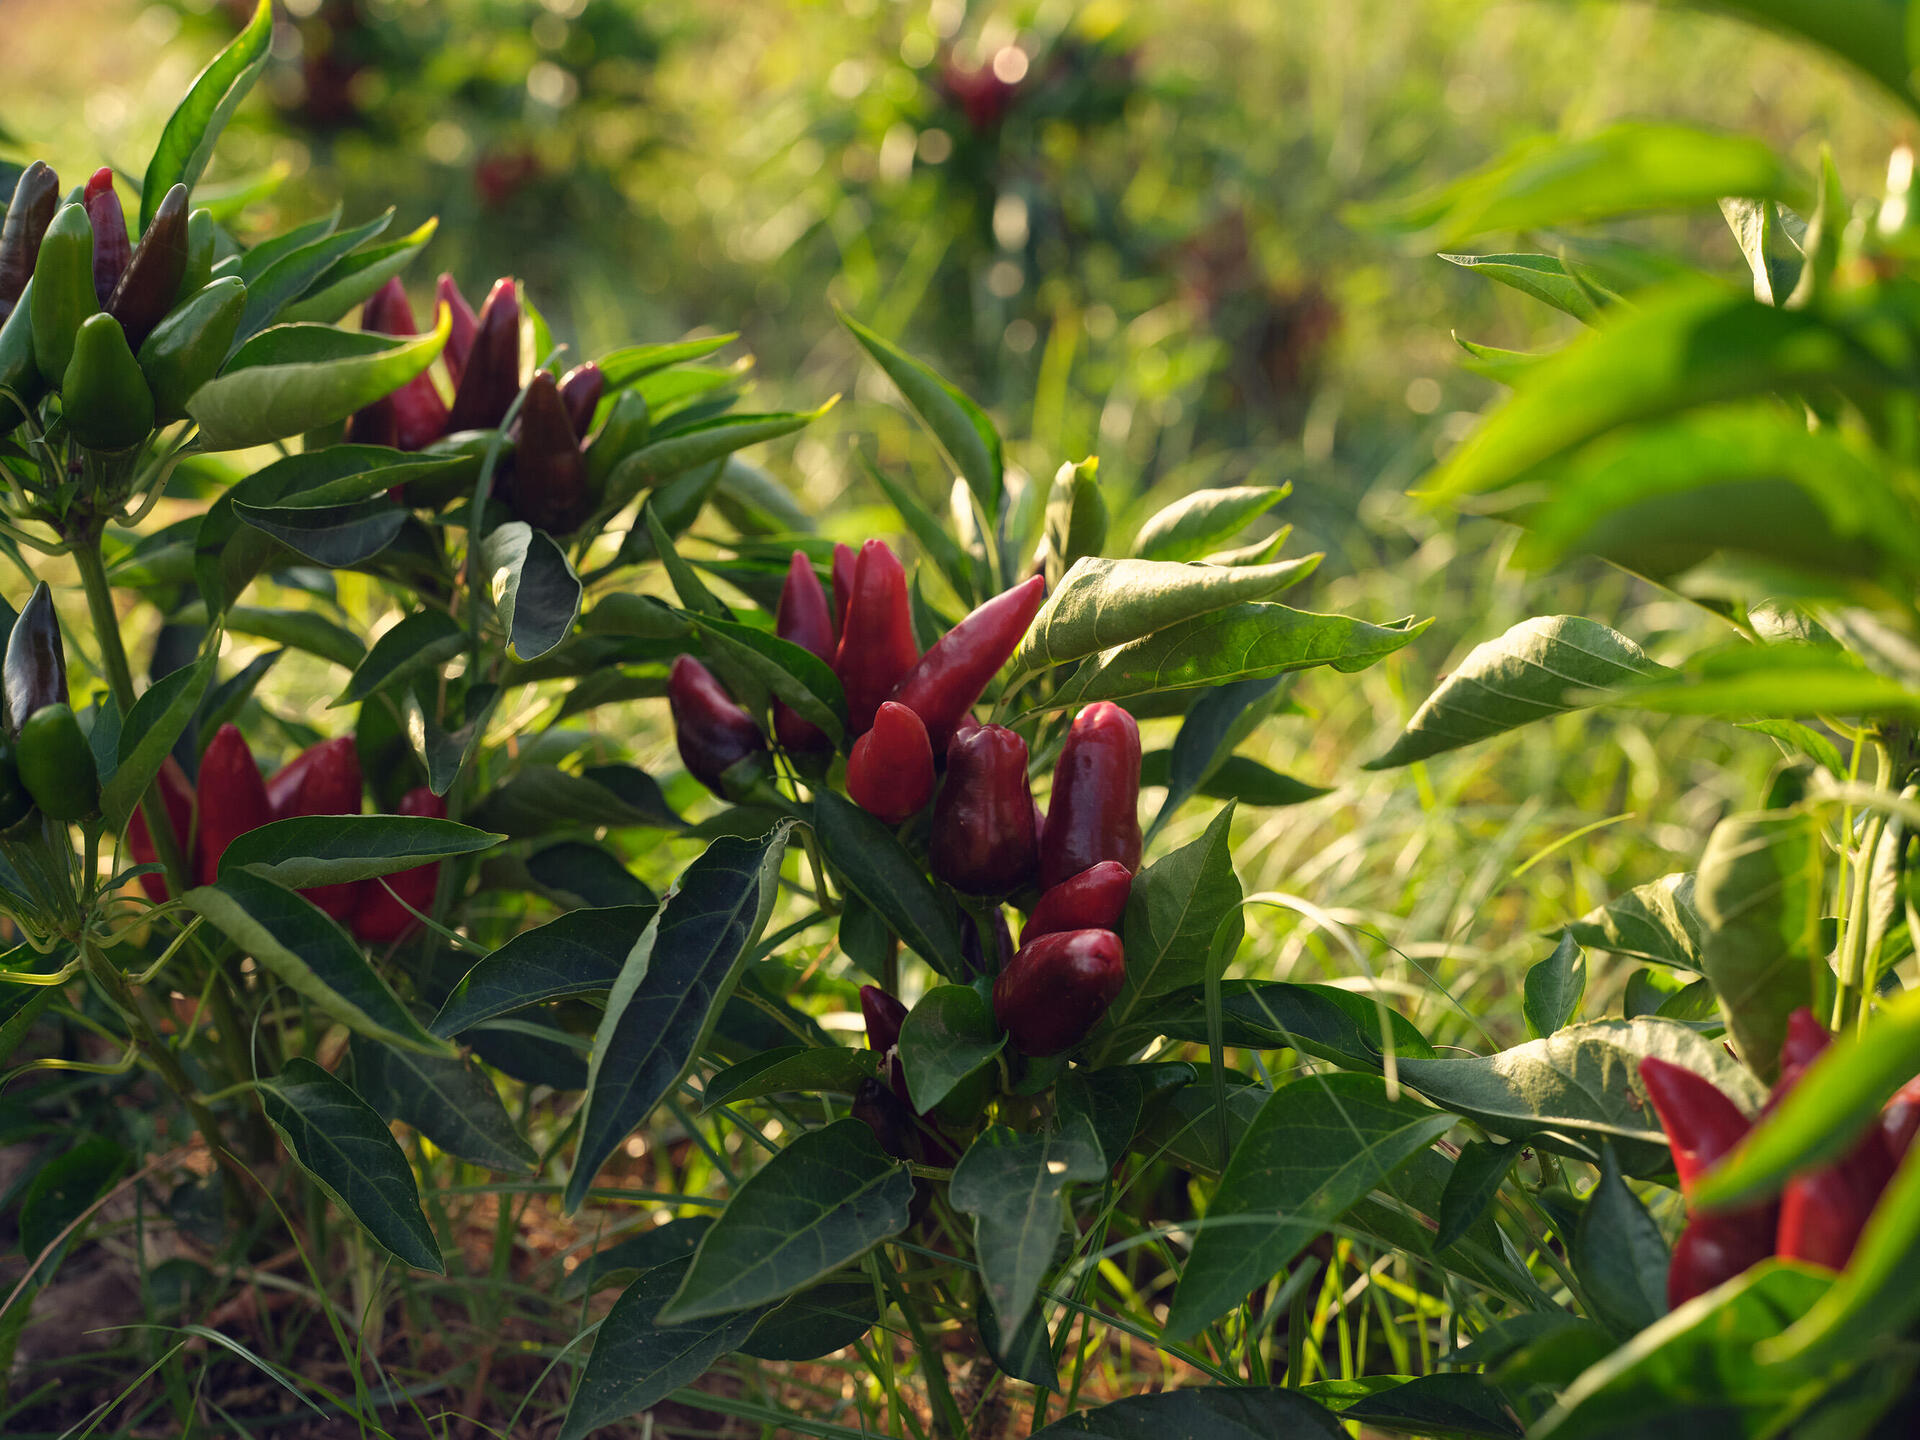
(1619, 1255)
(532, 587)
(540, 798)
(311, 850)
(1011, 1184)
(1430, 1405)
(947, 1035)
(624, 1260)
(329, 535)
(1219, 720)
(1656, 921)
(875, 867)
(147, 736)
(419, 643)
(450, 1101)
(186, 144)
(65, 1187)
(814, 1323)
(1240, 1412)
(1239, 777)
(1555, 987)
(792, 1069)
(1477, 1175)
(580, 953)
(793, 674)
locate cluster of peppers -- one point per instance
(231, 797)
(553, 475)
(914, 743)
(46, 762)
(123, 331)
(1817, 1218)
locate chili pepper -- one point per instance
(36, 196)
(380, 919)
(716, 737)
(1095, 899)
(876, 634)
(1823, 1211)
(1096, 796)
(1901, 1119)
(883, 1012)
(887, 1116)
(104, 396)
(626, 429)
(972, 952)
(844, 565)
(63, 290)
(804, 618)
(890, 772)
(490, 374)
(1806, 1038)
(200, 245)
(18, 372)
(1702, 1124)
(946, 681)
(56, 763)
(187, 349)
(460, 338)
(15, 803)
(581, 387)
(415, 412)
(229, 800)
(176, 793)
(1056, 989)
(323, 779)
(549, 489)
(983, 841)
(36, 663)
(111, 247)
(1709, 1254)
(151, 284)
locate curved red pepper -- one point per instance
(1056, 989)
(460, 338)
(176, 793)
(883, 1013)
(803, 618)
(1094, 815)
(1702, 1124)
(549, 486)
(983, 841)
(714, 734)
(490, 376)
(418, 414)
(1095, 899)
(378, 918)
(229, 800)
(890, 772)
(876, 638)
(581, 388)
(946, 681)
(111, 247)
(1710, 1253)
(1901, 1119)
(844, 564)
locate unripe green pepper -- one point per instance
(15, 803)
(18, 372)
(199, 255)
(62, 291)
(187, 348)
(56, 763)
(104, 396)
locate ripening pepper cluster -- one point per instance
(46, 762)
(915, 743)
(124, 331)
(1817, 1218)
(551, 475)
(232, 797)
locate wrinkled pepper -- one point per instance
(229, 800)
(323, 779)
(549, 483)
(62, 294)
(379, 918)
(581, 388)
(1094, 814)
(187, 349)
(883, 1013)
(490, 372)
(151, 284)
(36, 196)
(890, 772)
(1095, 899)
(111, 247)
(1056, 989)
(104, 395)
(56, 763)
(946, 681)
(983, 841)
(803, 618)
(719, 743)
(176, 793)
(460, 337)
(414, 416)
(876, 636)
(35, 673)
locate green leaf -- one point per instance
(1657, 921)
(1772, 253)
(669, 991)
(1457, 1405)
(310, 850)
(1011, 1184)
(875, 867)
(350, 1153)
(1075, 523)
(947, 1035)
(303, 946)
(1317, 1146)
(960, 427)
(1103, 603)
(1219, 720)
(1543, 277)
(148, 734)
(1761, 889)
(815, 1323)
(1619, 1255)
(296, 629)
(968, 581)
(1173, 910)
(1114, 1098)
(540, 798)
(329, 535)
(1503, 367)
(532, 587)
(353, 278)
(579, 953)
(1205, 520)
(796, 675)
(755, 503)
(1775, 680)
(65, 1187)
(1474, 1183)
(825, 1200)
(623, 1261)
(1524, 675)
(422, 642)
(706, 443)
(186, 144)
(1238, 1412)
(622, 367)
(271, 288)
(448, 1100)
(1872, 34)
(1341, 1026)
(1555, 987)
(1239, 777)
(792, 1069)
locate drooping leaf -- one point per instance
(532, 587)
(1619, 1255)
(1478, 1173)
(871, 861)
(814, 1323)
(450, 1101)
(579, 953)
(949, 1033)
(1011, 1184)
(310, 850)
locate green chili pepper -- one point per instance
(199, 255)
(35, 673)
(104, 396)
(15, 803)
(187, 348)
(152, 280)
(62, 291)
(18, 373)
(56, 763)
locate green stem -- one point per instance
(947, 1419)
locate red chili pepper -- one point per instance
(490, 376)
(983, 841)
(1806, 1039)
(1823, 1211)
(844, 565)
(323, 779)
(1096, 796)
(582, 387)
(378, 918)
(887, 1116)
(460, 338)
(111, 247)
(1095, 899)
(946, 681)
(1901, 1119)
(1702, 1124)
(714, 734)
(549, 486)
(876, 637)
(419, 415)
(890, 772)
(883, 1013)
(176, 793)
(229, 800)
(804, 619)
(1710, 1253)
(1057, 988)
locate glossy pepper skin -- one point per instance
(36, 664)
(549, 473)
(845, 562)
(1095, 899)
(946, 681)
(187, 349)
(324, 780)
(1705, 1256)
(36, 196)
(490, 373)
(1095, 813)
(415, 413)
(1901, 1119)
(151, 284)
(104, 395)
(378, 918)
(176, 793)
(1823, 1211)
(460, 338)
(56, 763)
(983, 841)
(62, 294)
(876, 637)
(802, 617)
(1056, 989)
(714, 734)
(229, 800)
(111, 247)
(890, 772)
(883, 1013)
(1701, 1123)
(581, 388)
